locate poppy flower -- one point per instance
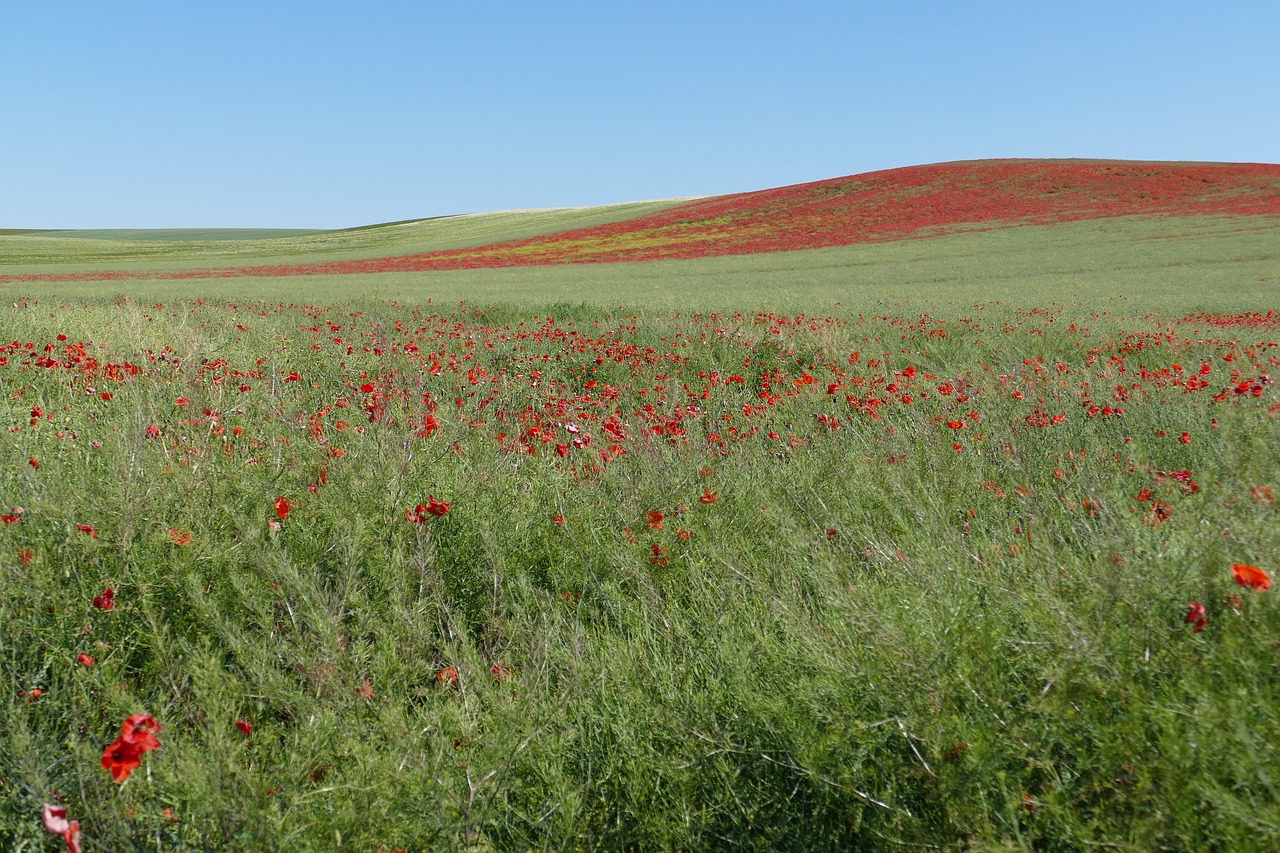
(84, 660)
(56, 823)
(1251, 576)
(106, 600)
(244, 727)
(153, 431)
(708, 496)
(1195, 617)
(282, 507)
(34, 463)
(654, 519)
(24, 556)
(435, 507)
(180, 537)
(123, 755)
(87, 530)
(447, 675)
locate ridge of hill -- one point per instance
(892, 204)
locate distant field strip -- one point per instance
(879, 206)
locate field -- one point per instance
(958, 534)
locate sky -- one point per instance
(327, 115)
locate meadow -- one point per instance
(952, 543)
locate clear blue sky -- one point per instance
(319, 114)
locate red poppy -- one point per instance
(180, 537)
(56, 823)
(708, 496)
(34, 463)
(655, 519)
(435, 507)
(1195, 617)
(558, 519)
(153, 431)
(105, 600)
(124, 754)
(84, 660)
(1251, 576)
(282, 506)
(447, 675)
(181, 401)
(24, 556)
(244, 727)
(87, 530)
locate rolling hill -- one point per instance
(907, 203)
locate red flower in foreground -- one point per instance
(244, 727)
(282, 507)
(1195, 617)
(435, 507)
(1251, 576)
(87, 530)
(448, 675)
(654, 519)
(84, 660)
(180, 537)
(105, 600)
(123, 755)
(56, 823)
(708, 496)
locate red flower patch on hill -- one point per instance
(894, 204)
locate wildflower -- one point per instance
(106, 600)
(654, 519)
(1251, 576)
(56, 823)
(181, 401)
(558, 519)
(153, 431)
(180, 537)
(34, 463)
(501, 671)
(1195, 617)
(365, 689)
(123, 755)
(84, 660)
(24, 556)
(1185, 438)
(282, 507)
(436, 508)
(244, 726)
(447, 675)
(87, 530)
(708, 496)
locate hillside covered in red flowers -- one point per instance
(894, 204)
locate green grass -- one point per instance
(868, 641)
(174, 249)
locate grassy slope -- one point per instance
(1183, 263)
(66, 252)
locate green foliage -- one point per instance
(867, 639)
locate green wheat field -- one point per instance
(957, 543)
